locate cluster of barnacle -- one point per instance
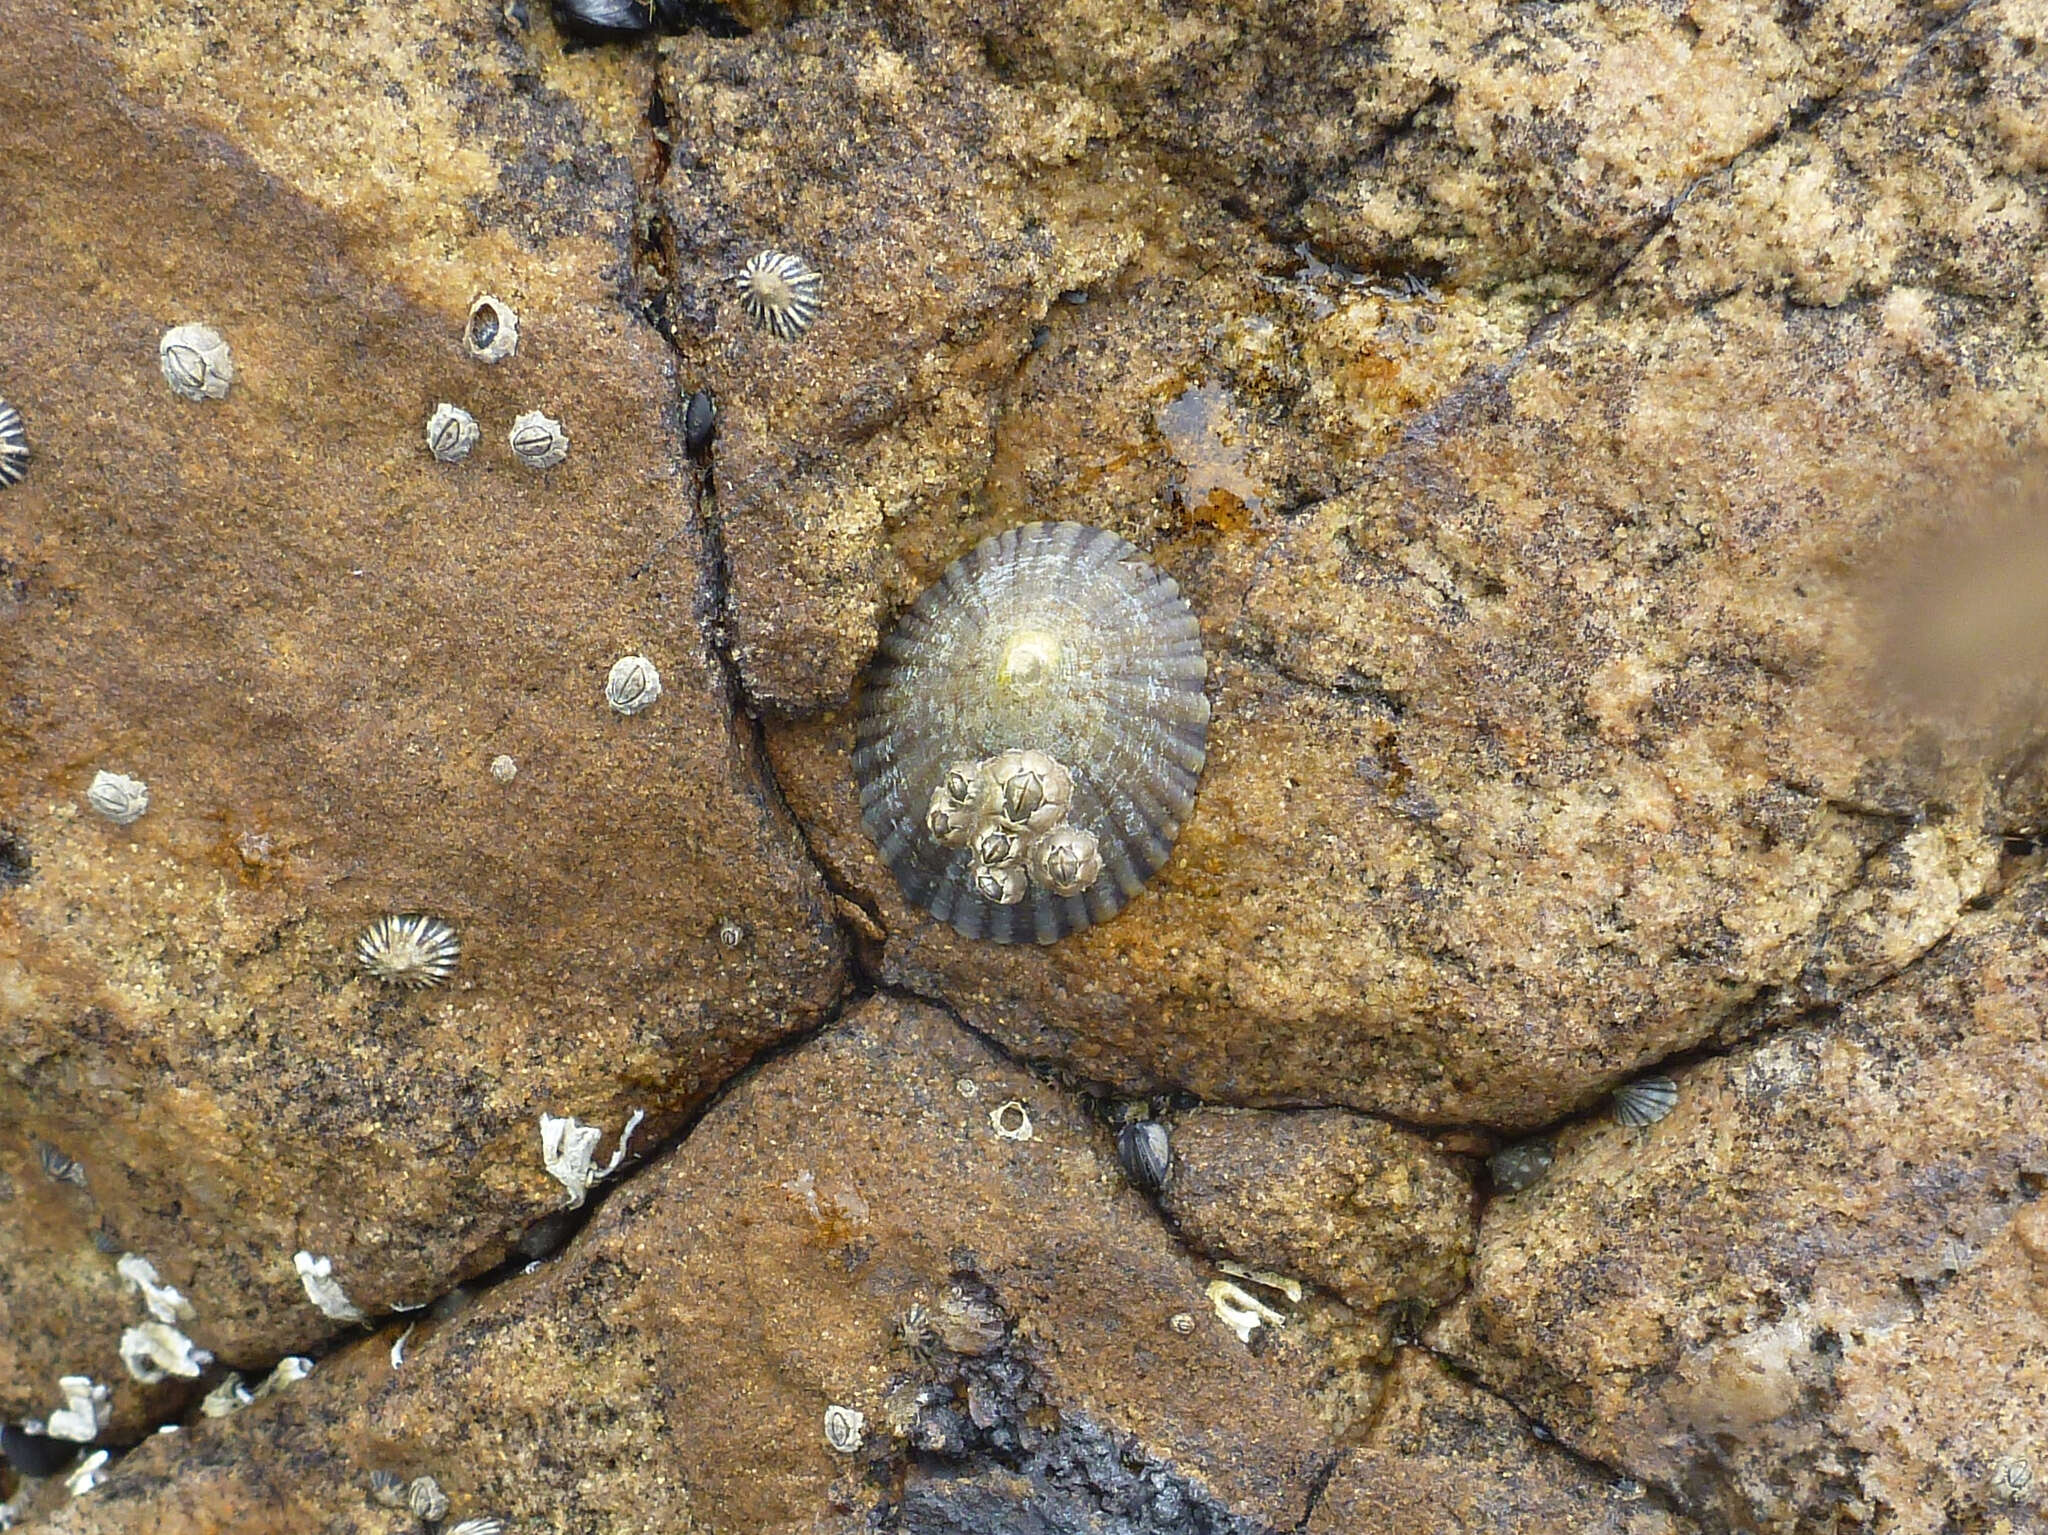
(537, 439)
(1010, 812)
(423, 1498)
(972, 1392)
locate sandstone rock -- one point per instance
(672, 1368)
(1371, 1213)
(1444, 1457)
(1815, 1292)
(310, 639)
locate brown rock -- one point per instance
(1814, 1292)
(1444, 1458)
(1359, 1208)
(673, 1367)
(310, 639)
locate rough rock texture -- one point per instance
(1445, 1458)
(1815, 1296)
(672, 1369)
(1556, 743)
(1368, 1212)
(311, 639)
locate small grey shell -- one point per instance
(539, 440)
(492, 333)
(1520, 1166)
(118, 797)
(411, 949)
(1146, 1152)
(196, 362)
(633, 684)
(426, 1499)
(13, 446)
(1053, 638)
(1644, 1101)
(781, 292)
(451, 433)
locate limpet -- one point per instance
(780, 292)
(13, 446)
(410, 948)
(1049, 685)
(1644, 1101)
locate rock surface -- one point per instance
(1816, 1293)
(673, 1368)
(311, 639)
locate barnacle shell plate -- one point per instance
(1052, 637)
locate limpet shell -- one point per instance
(1057, 639)
(13, 446)
(1644, 1101)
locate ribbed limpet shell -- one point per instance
(1053, 638)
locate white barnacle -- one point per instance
(156, 1349)
(492, 333)
(118, 797)
(84, 1412)
(196, 362)
(426, 1499)
(409, 948)
(633, 684)
(230, 1396)
(1182, 1322)
(780, 292)
(503, 768)
(1242, 1312)
(164, 1301)
(323, 1289)
(451, 433)
(845, 1428)
(1000, 884)
(538, 440)
(1066, 860)
(2012, 1478)
(1033, 790)
(89, 1473)
(13, 446)
(1011, 1121)
(731, 934)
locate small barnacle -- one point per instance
(488, 1524)
(196, 362)
(13, 446)
(538, 440)
(632, 684)
(157, 1349)
(164, 1301)
(1066, 860)
(323, 1289)
(1520, 1166)
(84, 1413)
(1056, 662)
(996, 846)
(503, 768)
(1182, 1322)
(845, 1428)
(387, 1488)
(2012, 1478)
(1644, 1101)
(451, 433)
(293, 1367)
(969, 1324)
(57, 1167)
(700, 424)
(780, 292)
(90, 1473)
(731, 934)
(1240, 1311)
(1011, 1121)
(409, 948)
(1146, 1153)
(118, 797)
(492, 334)
(426, 1499)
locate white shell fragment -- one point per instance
(780, 292)
(410, 948)
(1644, 1101)
(323, 1289)
(13, 446)
(1011, 1121)
(1242, 1312)
(1266, 1279)
(632, 685)
(845, 1429)
(118, 797)
(426, 1499)
(157, 1349)
(163, 1301)
(230, 1396)
(492, 334)
(89, 1474)
(398, 1348)
(569, 1147)
(451, 433)
(196, 362)
(84, 1413)
(538, 440)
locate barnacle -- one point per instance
(538, 440)
(1048, 686)
(118, 797)
(451, 433)
(492, 333)
(196, 362)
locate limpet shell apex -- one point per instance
(1051, 675)
(196, 362)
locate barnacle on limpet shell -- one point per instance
(1049, 684)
